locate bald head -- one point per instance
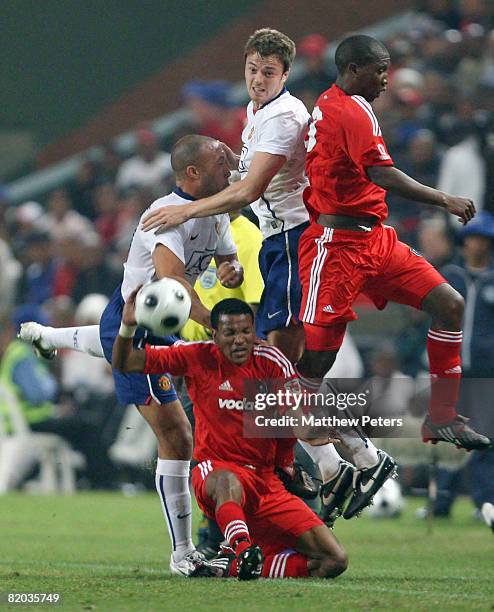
(188, 151)
(360, 50)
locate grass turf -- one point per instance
(109, 552)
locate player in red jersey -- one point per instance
(347, 249)
(271, 532)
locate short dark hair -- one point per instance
(359, 49)
(230, 306)
(187, 151)
(267, 41)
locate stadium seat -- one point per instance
(21, 450)
(136, 443)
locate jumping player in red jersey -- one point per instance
(347, 249)
(271, 532)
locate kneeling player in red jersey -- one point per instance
(271, 532)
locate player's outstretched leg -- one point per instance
(444, 424)
(46, 340)
(174, 435)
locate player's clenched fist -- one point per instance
(463, 208)
(230, 274)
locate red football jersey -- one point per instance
(216, 387)
(344, 138)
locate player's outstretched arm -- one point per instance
(263, 168)
(396, 181)
(124, 357)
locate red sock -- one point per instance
(444, 349)
(287, 564)
(231, 520)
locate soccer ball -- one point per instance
(163, 306)
(388, 501)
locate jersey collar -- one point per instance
(183, 194)
(283, 91)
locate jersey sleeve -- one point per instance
(280, 134)
(173, 239)
(362, 135)
(178, 359)
(225, 245)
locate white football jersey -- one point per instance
(195, 242)
(279, 127)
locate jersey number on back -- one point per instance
(311, 135)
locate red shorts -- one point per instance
(336, 265)
(276, 518)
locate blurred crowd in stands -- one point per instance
(437, 118)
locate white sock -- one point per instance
(325, 457)
(172, 484)
(84, 339)
(364, 453)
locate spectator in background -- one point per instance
(10, 272)
(472, 275)
(320, 74)
(61, 221)
(36, 284)
(462, 169)
(21, 222)
(81, 189)
(149, 167)
(36, 389)
(98, 272)
(213, 112)
(434, 241)
(110, 217)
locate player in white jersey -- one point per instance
(271, 165)
(182, 253)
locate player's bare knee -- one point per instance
(456, 310)
(227, 488)
(176, 438)
(446, 306)
(333, 565)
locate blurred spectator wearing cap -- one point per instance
(36, 283)
(472, 274)
(22, 221)
(149, 167)
(213, 111)
(319, 73)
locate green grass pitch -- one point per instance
(109, 552)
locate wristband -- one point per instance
(127, 331)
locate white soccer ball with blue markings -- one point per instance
(388, 502)
(163, 306)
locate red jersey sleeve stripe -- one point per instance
(367, 108)
(274, 354)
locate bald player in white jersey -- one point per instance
(182, 253)
(272, 168)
